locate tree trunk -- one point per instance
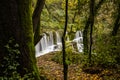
(117, 22)
(115, 40)
(36, 20)
(65, 66)
(85, 36)
(16, 22)
(92, 3)
(87, 25)
(8, 22)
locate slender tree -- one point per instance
(92, 3)
(87, 25)
(65, 66)
(116, 25)
(36, 20)
(117, 20)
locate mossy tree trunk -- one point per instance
(28, 60)
(16, 22)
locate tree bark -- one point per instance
(65, 66)
(117, 22)
(36, 20)
(9, 20)
(85, 36)
(92, 3)
(87, 25)
(16, 22)
(115, 40)
(28, 60)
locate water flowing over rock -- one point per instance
(79, 40)
(48, 44)
(58, 38)
(78, 34)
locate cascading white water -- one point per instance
(78, 34)
(43, 42)
(46, 44)
(50, 39)
(37, 48)
(79, 40)
(58, 45)
(58, 38)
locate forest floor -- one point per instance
(54, 71)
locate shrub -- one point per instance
(9, 65)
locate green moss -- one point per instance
(27, 39)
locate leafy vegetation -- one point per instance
(105, 48)
(99, 20)
(10, 64)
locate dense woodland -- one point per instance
(23, 23)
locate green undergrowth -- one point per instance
(9, 65)
(71, 58)
(97, 60)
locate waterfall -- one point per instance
(48, 44)
(78, 34)
(37, 48)
(58, 45)
(44, 42)
(79, 40)
(58, 38)
(50, 39)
